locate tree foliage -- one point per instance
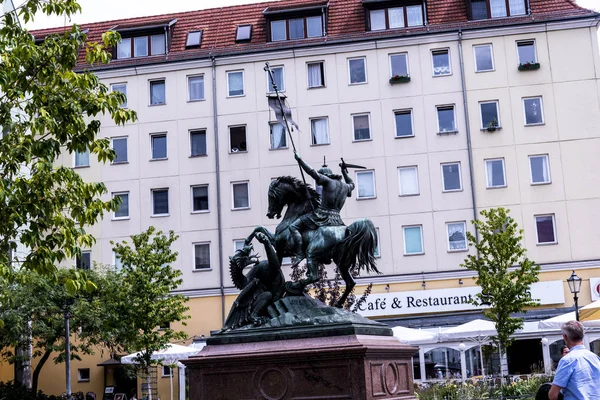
(47, 109)
(504, 272)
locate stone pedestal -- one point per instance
(355, 366)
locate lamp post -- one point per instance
(574, 286)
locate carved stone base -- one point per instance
(359, 367)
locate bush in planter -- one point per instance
(492, 125)
(399, 79)
(528, 66)
(10, 391)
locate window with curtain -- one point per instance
(540, 170)
(403, 123)
(362, 129)
(517, 7)
(545, 229)
(196, 87)
(278, 136)
(526, 51)
(377, 20)
(495, 173)
(235, 83)
(157, 44)
(160, 201)
(198, 143)
(123, 210)
(414, 15)
(199, 198)
(489, 114)
(120, 87)
(82, 159)
(483, 58)
(533, 111)
(498, 8)
(441, 62)
(451, 180)
(319, 131)
(396, 17)
(484, 9)
(399, 64)
(479, 9)
(413, 240)
(278, 30)
(140, 46)
(202, 256)
(157, 93)
(315, 75)
(314, 26)
(357, 68)
(296, 28)
(240, 195)
(124, 48)
(409, 181)
(457, 236)
(278, 78)
(366, 184)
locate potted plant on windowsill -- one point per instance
(399, 79)
(492, 125)
(529, 66)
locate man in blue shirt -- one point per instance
(578, 373)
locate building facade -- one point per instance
(453, 106)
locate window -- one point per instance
(489, 114)
(159, 146)
(198, 143)
(377, 252)
(193, 39)
(120, 87)
(413, 240)
(366, 184)
(451, 179)
(534, 113)
(123, 211)
(83, 374)
(296, 28)
(546, 233)
(82, 159)
(243, 33)
(237, 139)
(357, 68)
(278, 78)
(441, 62)
(495, 173)
(457, 236)
(319, 128)
(316, 75)
(117, 262)
(540, 169)
(241, 199)
(160, 202)
(84, 260)
(157, 43)
(398, 65)
(484, 59)
(278, 136)
(157, 93)
(484, 9)
(526, 52)
(140, 46)
(404, 125)
(446, 121)
(201, 256)
(238, 244)
(196, 88)
(408, 178)
(396, 17)
(200, 198)
(166, 371)
(124, 48)
(235, 83)
(361, 126)
(119, 146)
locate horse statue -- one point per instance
(349, 247)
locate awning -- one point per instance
(557, 322)
(590, 313)
(478, 329)
(414, 336)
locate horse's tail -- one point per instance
(357, 249)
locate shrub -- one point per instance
(10, 391)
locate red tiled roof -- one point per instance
(346, 21)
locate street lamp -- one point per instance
(574, 286)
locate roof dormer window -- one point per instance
(243, 33)
(193, 39)
(486, 9)
(384, 15)
(296, 23)
(141, 46)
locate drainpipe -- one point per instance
(467, 128)
(218, 178)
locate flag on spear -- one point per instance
(280, 109)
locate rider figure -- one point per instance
(333, 197)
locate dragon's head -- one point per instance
(243, 257)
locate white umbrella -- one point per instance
(170, 355)
(557, 322)
(414, 336)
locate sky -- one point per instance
(106, 10)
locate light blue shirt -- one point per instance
(578, 373)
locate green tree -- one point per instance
(146, 301)
(47, 109)
(504, 272)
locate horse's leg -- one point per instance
(260, 229)
(312, 268)
(345, 273)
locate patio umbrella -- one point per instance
(170, 355)
(414, 336)
(590, 313)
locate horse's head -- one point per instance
(287, 190)
(277, 198)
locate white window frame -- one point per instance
(377, 251)
(491, 54)
(114, 213)
(537, 239)
(547, 157)
(152, 215)
(322, 62)
(235, 242)
(541, 110)
(150, 81)
(112, 89)
(192, 199)
(416, 168)
(437, 118)
(534, 49)
(459, 177)
(354, 139)
(163, 375)
(80, 379)
(464, 224)
(285, 24)
(350, 83)
(233, 198)
(328, 132)
(412, 123)
(496, 102)
(114, 261)
(82, 165)
(405, 54)
(487, 183)
(189, 99)
(194, 244)
(82, 253)
(152, 135)
(190, 142)
(243, 83)
(404, 227)
(279, 89)
(229, 134)
(433, 74)
(112, 146)
(363, 172)
(271, 137)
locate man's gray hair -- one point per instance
(573, 330)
